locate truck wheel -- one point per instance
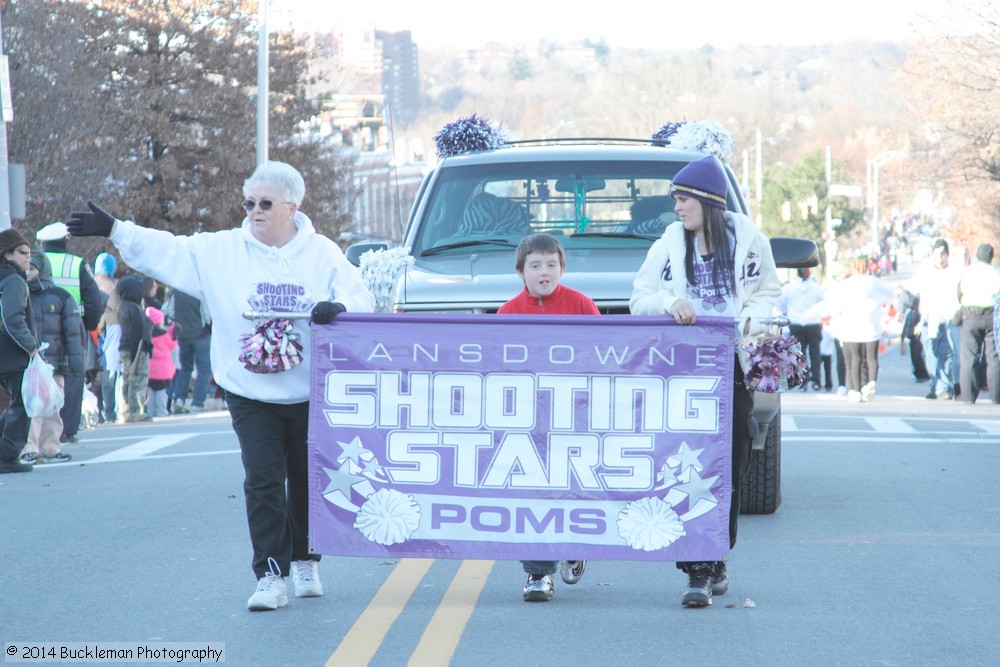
(761, 491)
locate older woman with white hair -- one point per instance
(275, 262)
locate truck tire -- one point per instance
(761, 490)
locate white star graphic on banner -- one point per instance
(686, 458)
(354, 451)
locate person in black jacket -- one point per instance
(17, 346)
(57, 321)
(194, 340)
(73, 274)
(135, 347)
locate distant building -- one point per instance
(400, 75)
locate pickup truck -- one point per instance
(606, 200)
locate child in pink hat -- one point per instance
(161, 363)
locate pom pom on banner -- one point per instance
(773, 363)
(380, 270)
(697, 135)
(273, 347)
(469, 135)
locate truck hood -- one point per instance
(486, 279)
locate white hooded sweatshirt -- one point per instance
(232, 272)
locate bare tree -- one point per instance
(150, 108)
(955, 87)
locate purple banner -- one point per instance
(510, 437)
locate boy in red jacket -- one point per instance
(540, 262)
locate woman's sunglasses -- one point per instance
(264, 204)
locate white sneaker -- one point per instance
(305, 576)
(853, 396)
(868, 392)
(841, 390)
(271, 593)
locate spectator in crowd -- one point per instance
(275, 248)
(827, 351)
(111, 336)
(134, 349)
(798, 299)
(161, 363)
(74, 275)
(194, 339)
(909, 315)
(104, 276)
(57, 323)
(540, 262)
(978, 289)
(936, 284)
(716, 263)
(855, 308)
(152, 293)
(18, 344)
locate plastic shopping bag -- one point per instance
(39, 390)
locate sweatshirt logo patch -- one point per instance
(284, 297)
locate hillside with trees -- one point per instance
(150, 108)
(927, 110)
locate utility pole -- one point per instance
(8, 115)
(263, 85)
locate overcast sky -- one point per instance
(670, 24)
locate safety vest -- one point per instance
(66, 273)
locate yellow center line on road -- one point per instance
(364, 638)
(443, 633)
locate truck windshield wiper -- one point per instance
(465, 244)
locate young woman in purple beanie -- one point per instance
(714, 263)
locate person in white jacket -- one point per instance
(855, 309)
(274, 261)
(715, 263)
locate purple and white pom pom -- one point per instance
(469, 135)
(273, 347)
(775, 363)
(704, 136)
(662, 136)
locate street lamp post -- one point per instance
(263, 86)
(873, 167)
(758, 180)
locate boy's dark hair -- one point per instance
(543, 244)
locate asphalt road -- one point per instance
(882, 553)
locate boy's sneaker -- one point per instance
(720, 580)
(178, 408)
(61, 457)
(539, 590)
(271, 593)
(572, 570)
(29, 458)
(699, 590)
(305, 576)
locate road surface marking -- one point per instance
(364, 638)
(890, 425)
(141, 448)
(440, 639)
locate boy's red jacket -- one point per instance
(563, 301)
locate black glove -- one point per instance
(96, 222)
(324, 312)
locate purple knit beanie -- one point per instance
(704, 180)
